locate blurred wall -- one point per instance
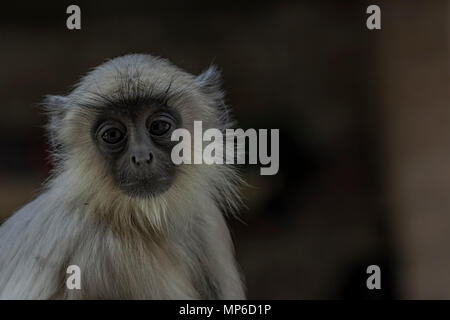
(412, 68)
(361, 116)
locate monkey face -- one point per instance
(135, 142)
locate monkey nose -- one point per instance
(138, 159)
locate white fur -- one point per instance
(173, 246)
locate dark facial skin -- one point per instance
(136, 145)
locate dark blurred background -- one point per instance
(363, 116)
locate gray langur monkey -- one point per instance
(116, 206)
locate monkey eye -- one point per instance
(112, 135)
(159, 127)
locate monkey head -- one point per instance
(113, 131)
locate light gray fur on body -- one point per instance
(175, 245)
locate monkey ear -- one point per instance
(55, 107)
(54, 104)
(209, 82)
(210, 78)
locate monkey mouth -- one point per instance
(145, 188)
